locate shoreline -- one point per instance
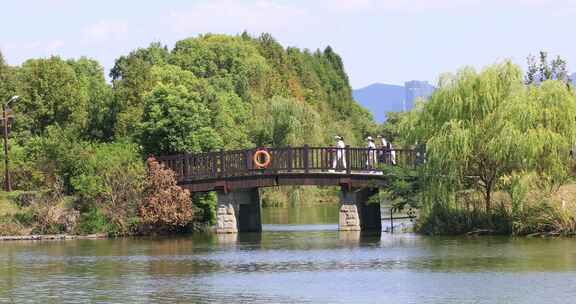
(53, 237)
(102, 236)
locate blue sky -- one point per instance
(380, 41)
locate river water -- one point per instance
(299, 258)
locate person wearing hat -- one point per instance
(392, 153)
(384, 154)
(340, 155)
(370, 162)
(388, 153)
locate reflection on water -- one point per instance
(290, 263)
(302, 215)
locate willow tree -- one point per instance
(481, 127)
(287, 122)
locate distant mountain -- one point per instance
(573, 78)
(380, 98)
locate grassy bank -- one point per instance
(538, 214)
(149, 203)
(24, 213)
(41, 213)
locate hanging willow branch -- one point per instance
(489, 125)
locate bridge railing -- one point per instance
(221, 164)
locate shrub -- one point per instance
(544, 218)
(24, 173)
(9, 226)
(111, 178)
(93, 221)
(51, 217)
(52, 213)
(442, 220)
(24, 217)
(205, 204)
(166, 206)
(25, 199)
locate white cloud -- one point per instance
(234, 17)
(231, 16)
(45, 48)
(53, 2)
(105, 30)
(351, 5)
(411, 6)
(544, 2)
(54, 45)
(423, 6)
(25, 46)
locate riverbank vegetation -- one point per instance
(498, 143)
(78, 144)
(498, 153)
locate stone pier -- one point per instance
(238, 211)
(355, 212)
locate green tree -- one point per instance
(540, 70)
(229, 112)
(59, 154)
(99, 95)
(218, 56)
(391, 128)
(488, 125)
(7, 80)
(174, 121)
(236, 77)
(109, 177)
(51, 94)
(132, 80)
(288, 122)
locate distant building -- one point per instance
(416, 89)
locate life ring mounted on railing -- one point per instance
(257, 159)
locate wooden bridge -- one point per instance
(237, 175)
(229, 170)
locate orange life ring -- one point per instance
(258, 163)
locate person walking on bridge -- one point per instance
(371, 160)
(383, 155)
(388, 155)
(392, 153)
(340, 157)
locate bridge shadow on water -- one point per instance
(305, 227)
(305, 224)
(300, 236)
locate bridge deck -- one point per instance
(323, 166)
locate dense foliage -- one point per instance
(240, 91)
(79, 143)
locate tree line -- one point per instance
(79, 143)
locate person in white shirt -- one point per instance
(340, 155)
(388, 155)
(371, 161)
(392, 153)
